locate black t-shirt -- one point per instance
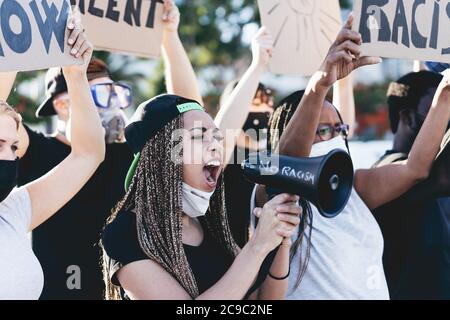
(416, 230)
(209, 262)
(67, 244)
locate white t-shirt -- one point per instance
(21, 276)
(346, 257)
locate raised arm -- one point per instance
(6, 83)
(344, 101)
(52, 191)
(342, 59)
(180, 76)
(391, 181)
(232, 116)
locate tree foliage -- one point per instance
(212, 33)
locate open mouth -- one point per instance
(211, 171)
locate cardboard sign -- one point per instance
(131, 27)
(33, 35)
(303, 32)
(409, 29)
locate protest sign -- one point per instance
(33, 35)
(409, 29)
(131, 27)
(303, 32)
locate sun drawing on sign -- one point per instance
(313, 23)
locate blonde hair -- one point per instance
(7, 110)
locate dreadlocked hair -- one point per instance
(155, 196)
(277, 124)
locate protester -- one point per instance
(341, 258)
(169, 237)
(70, 258)
(255, 122)
(416, 226)
(24, 209)
(246, 106)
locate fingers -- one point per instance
(283, 198)
(367, 61)
(289, 208)
(86, 48)
(349, 23)
(263, 36)
(171, 11)
(350, 47)
(341, 55)
(168, 4)
(262, 31)
(285, 232)
(76, 29)
(289, 218)
(257, 212)
(347, 34)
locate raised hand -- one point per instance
(262, 48)
(79, 43)
(171, 16)
(344, 56)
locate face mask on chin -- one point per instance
(8, 177)
(323, 148)
(195, 202)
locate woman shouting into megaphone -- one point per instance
(169, 238)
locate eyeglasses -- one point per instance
(104, 92)
(327, 131)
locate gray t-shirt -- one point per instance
(346, 257)
(21, 276)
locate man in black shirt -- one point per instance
(67, 244)
(416, 227)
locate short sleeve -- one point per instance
(15, 210)
(121, 244)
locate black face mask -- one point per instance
(8, 177)
(257, 121)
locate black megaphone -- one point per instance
(326, 181)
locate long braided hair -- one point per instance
(277, 124)
(155, 197)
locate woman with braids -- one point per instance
(169, 237)
(341, 258)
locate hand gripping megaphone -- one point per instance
(326, 181)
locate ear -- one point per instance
(407, 118)
(62, 109)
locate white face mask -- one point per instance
(323, 148)
(195, 202)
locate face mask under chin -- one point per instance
(195, 202)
